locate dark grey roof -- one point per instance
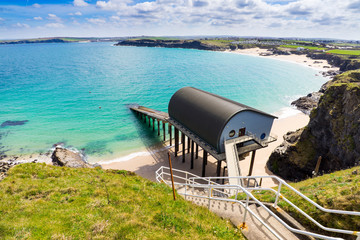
(204, 113)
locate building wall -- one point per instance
(253, 122)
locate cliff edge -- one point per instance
(332, 133)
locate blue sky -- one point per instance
(111, 18)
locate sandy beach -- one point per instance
(319, 64)
(147, 164)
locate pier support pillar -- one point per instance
(144, 118)
(183, 146)
(188, 144)
(197, 151)
(218, 169)
(149, 120)
(153, 124)
(192, 155)
(176, 141)
(204, 163)
(158, 127)
(170, 133)
(252, 162)
(164, 131)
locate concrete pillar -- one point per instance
(204, 163)
(176, 141)
(170, 133)
(197, 151)
(188, 144)
(192, 155)
(164, 131)
(218, 169)
(158, 121)
(183, 146)
(252, 162)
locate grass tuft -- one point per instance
(48, 202)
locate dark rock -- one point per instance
(59, 144)
(307, 103)
(280, 52)
(13, 123)
(332, 133)
(69, 158)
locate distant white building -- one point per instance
(300, 49)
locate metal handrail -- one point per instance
(278, 195)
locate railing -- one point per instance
(263, 142)
(210, 188)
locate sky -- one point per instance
(117, 18)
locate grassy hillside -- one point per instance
(339, 190)
(48, 202)
(345, 52)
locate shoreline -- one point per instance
(317, 64)
(145, 159)
(146, 165)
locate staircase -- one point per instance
(257, 220)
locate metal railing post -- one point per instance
(277, 195)
(246, 210)
(209, 193)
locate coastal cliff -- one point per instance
(335, 60)
(332, 133)
(192, 44)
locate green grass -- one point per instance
(306, 47)
(47, 202)
(218, 42)
(345, 52)
(339, 190)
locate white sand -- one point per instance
(146, 166)
(319, 64)
(147, 163)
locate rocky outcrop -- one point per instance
(4, 168)
(307, 103)
(192, 44)
(69, 158)
(332, 133)
(337, 61)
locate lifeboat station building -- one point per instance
(223, 128)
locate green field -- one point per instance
(39, 201)
(345, 52)
(306, 47)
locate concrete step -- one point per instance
(253, 230)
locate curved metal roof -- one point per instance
(203, 113)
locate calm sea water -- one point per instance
(59, 89)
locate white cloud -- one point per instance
(80, 3)
(96, 20)
(54, 25)
(22, 25)
(115, 18)
(38, 18)
(36, 5)
(75, 14)
(308, 18)
(53, 17)
(1, 19)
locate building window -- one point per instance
(232, 133)
(263, 136)
(241, 132)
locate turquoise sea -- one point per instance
(59, 89)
